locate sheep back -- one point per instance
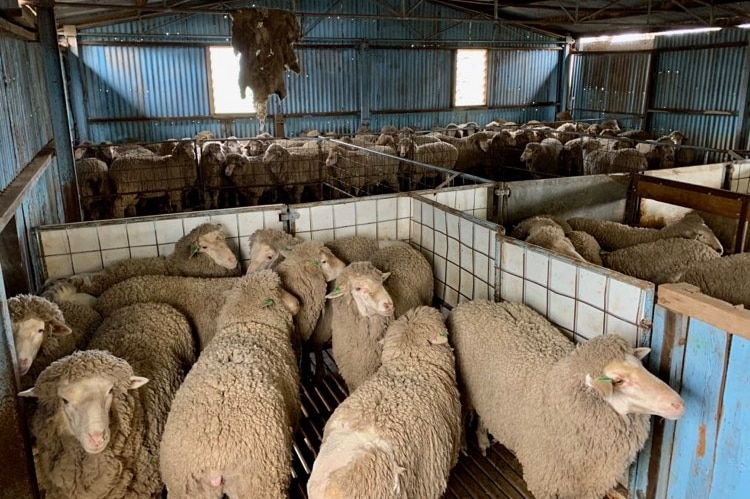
(353, 248)
(411, 282)
(724, 278)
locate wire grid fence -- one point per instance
(740, 175)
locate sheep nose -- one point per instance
(388, 306)
(24, 364)
(96, 438)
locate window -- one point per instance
(225, 91)
(471, 77)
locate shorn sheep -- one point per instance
(230, 427)
(203, 252)
(359, 311)
(398, 434)
(575, 416)
(142, 177)
(95, 436)
(613, 235)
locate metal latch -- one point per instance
(502, 192)
(286, 216)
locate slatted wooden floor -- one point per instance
(497, 475)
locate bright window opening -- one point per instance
(225, 91)
(634, 37)
(471, 77)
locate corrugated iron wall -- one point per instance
(695, 83)
(147, 79)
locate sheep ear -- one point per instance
(194, 249)
(601, 384)
(385, 276)
(641, 352)
(442, 338)
(338, 291)
(59, 328)
(30, 393)
(137, 382)
(290, 302)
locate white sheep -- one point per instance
(398, 434)
(96, 437)
(359, 169)
(546, 232)
(203, 252)
(249, 176)
(411, 282)
(598, 161)
(613, 235)
(724, 278)
(541, 158)
(211, 167)
(293, 169)
(439, 154)
(359, 311)
(471, 149)
(265, 248)
(143, 177)
(575, 416)
(230, 427)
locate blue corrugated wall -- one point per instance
(147, 79)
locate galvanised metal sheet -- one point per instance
(610, 83)
(725, 35)
(522, 76)
(411, 79)
(328, 82)
(716, 132)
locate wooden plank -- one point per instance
(706, 355)
(687, 299)
(16, 30)
(717, 201)
(12, 196)
(731, 474)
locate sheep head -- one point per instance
(405, 147)
(364, 283)
(34, 320)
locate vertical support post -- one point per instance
(649, 91)
(365, 77)
(563, 79)
(76, 93)
(58, 112)
(742, 128)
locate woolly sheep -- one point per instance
(87, 448)
(293, 169)
(306, 269)
(411, 283)
(544, 231)
(248, 176)
(660, 261)
(575, 416)
(354, 248)
(439, 154)
(586, 246)
(358, 170)
(541, 157)
(203, 252)
(470, 149)
(397, 435)
(141, 177)
(613, 235)
(724, 278)
(359, 310)
(94, 188)
(230, 427)
(37, 323)
(265, 248)
(212, 166)
(597, 161)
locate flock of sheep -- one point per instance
(205, 173)
(180, 372)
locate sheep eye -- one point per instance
(204, 247)
(109, 392)
(269, 257)
(40, 331)
(618, 381)
(65, 401)
(358, 289)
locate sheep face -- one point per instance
(404, 147)
(214, 245)
(85, 406)
(630, 389)
(333, 158)
(255, 147)
(262, 257)
(28, 336)
(275, 152)
(368, 292)
(531, 150)
(233, 161)
(330, 264)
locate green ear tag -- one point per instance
(194, 250)
(269, 302)
(316, 263)
(443, 334)
(337, 290)
(605, 379)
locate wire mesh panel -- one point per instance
(472, 200)
(582, 298)
(69, 249)
(740, 180)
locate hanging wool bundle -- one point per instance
(264, 38)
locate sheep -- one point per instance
(203, 252)
(598, 161)
(36, 323)
(354, 248)
(470, 149)
(359, 310)
(87, 448)
(257, 145)
(586, 246)
(613, 235)
(398, 434)
(544, 231)
(571, 157)
(265, 248)
(575, 416)
(142, 177)
(212, 166)
(293, 169)
(500, 153)
(249, 176)
(541, 157)
(94, 188)
(305, 270)
(724, 278)
(358, 170)
(411, 283)
(660, 261)
(230, 427)
(439, 154)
